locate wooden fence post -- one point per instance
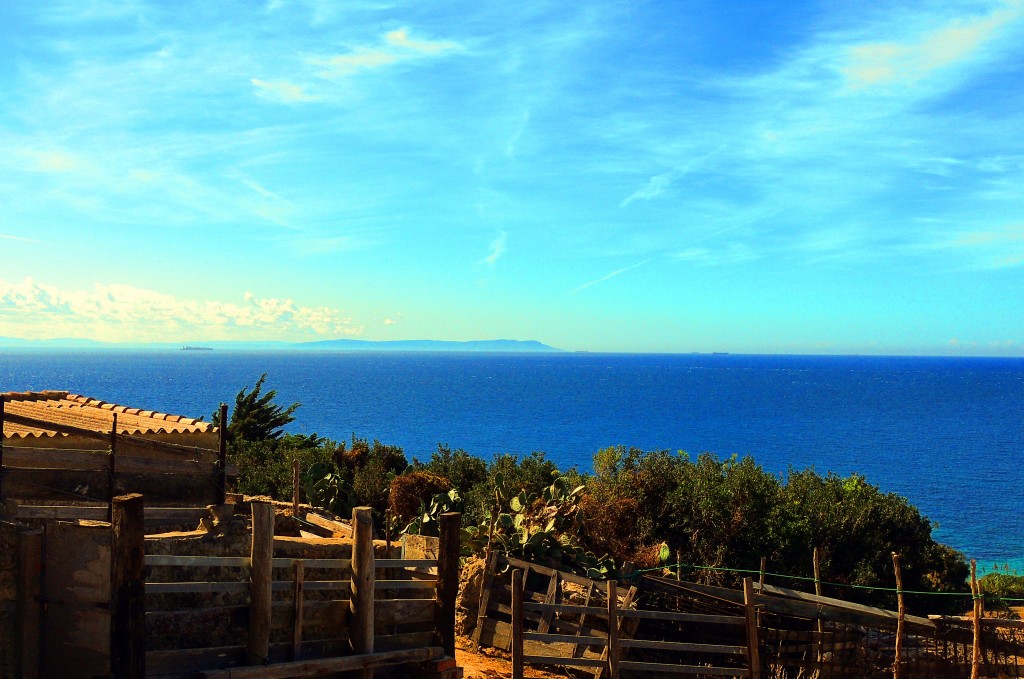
(30, 590)
(753, 641)
(817, 591)
(679, 568)
(127, 588)
(485, 588)
(295, 487)
(222, 455)
(257, 647)
(900, 615)
(976, 646)
(361, 601)
(3, 402)
(764, 567)
(298, 607)
(614, 649)
(111, 470)
(449, 545)
(517, 624)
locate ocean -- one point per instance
(947, 433)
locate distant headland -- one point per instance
(495, 346)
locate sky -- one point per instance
(799, 177)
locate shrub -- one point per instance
(410, 491)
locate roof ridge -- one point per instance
(42, 395)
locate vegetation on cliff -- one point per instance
(717, 517)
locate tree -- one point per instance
(256, 417)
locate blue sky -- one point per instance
(835, 177)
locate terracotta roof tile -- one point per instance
(60, 407)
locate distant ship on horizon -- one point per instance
(191, 348)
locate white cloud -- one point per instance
(395, 47)
(281, 90)
(498, 247)
(733, 253)
(116, 312)
(993, 248)
(19, 239)
(903, 62)
(400, 38)
(53, 161)
(613, 274)
(654, 188)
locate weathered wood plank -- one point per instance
(753, 640)
(449, 545)
(30, 567)
(325, 564)
(260, 580)
(684, 669)
(326, 666)
(195, 587)
(405, 563)
(198, 561)
(565, 662)
(485, 597)
(336, 527)
(394, 642)
(614, 651)
(127, 588)
(684, 647)
(361, 602)
(869, 611)
(547, 638)
(404, 584)
(404, 611)
(574, 609)
(517, 624)
(298, 607)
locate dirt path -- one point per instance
(491, 664)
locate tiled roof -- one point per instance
(82, 412)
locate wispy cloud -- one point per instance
(116, 312)
(52, 161)
(606, 277)
(733, 253)
(400, 38)
(994, 248)
(891, 63)
(498, 247)
(395, 47)
(282, 91)
(654, 188)
(20, 239)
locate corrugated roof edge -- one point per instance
(85, 401)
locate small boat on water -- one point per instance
(191, 348)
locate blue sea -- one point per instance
(948, 433)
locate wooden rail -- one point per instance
(377, 628)
(614, 648)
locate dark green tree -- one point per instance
(256, 417)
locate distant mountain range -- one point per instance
(499, 345)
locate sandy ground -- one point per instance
(492, 664)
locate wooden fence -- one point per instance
(668, 626)
(746, 659)
(809, 635)
(544, 585)
(166, 473)
(366, 621)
